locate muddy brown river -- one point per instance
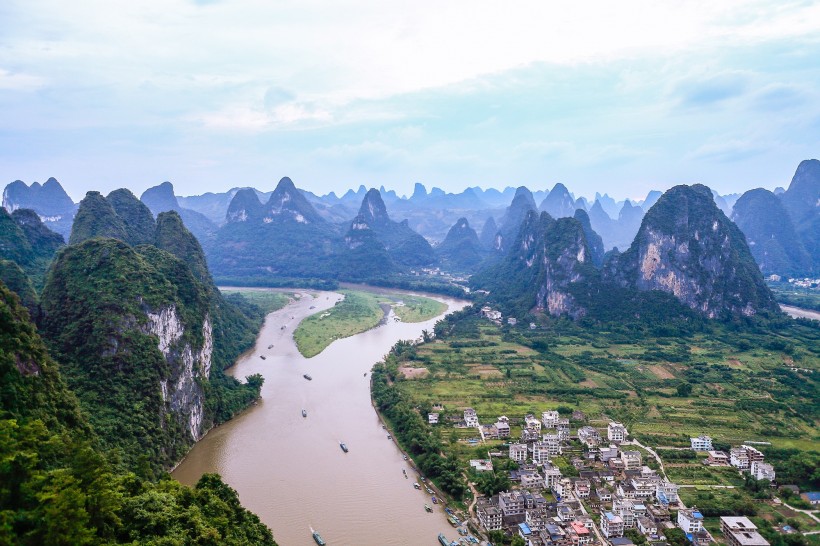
(290, 469)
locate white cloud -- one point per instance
(19, 82)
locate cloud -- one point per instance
(19, 82)
(711, 90)
(779, 97)
(725, 151)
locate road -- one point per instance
(807, 512)
(651, 452)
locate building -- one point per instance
(490, 432)
(625, 508)
(582, 489)
(552, 475)
(470, 417)
(531, 479)
(631, 460)
(812, 497)
(550, 419)
(717, 458)
(511, 504)
(701, 443)
(647, 526)
(518, 452)
(553, 443)
(563, 429)
(690, 520)
(742, 457)
(616, 432)
(762, 471)
(608, 453)
(541, 452)
(667, 493)
(489, 516)
(739, 531)
(503, 426)
(579, 534)
(530, 422)
(611, 525)
(432, 418)
(589, 437)
(482, 465)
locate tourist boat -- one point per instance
(304, 413)
(453, 521)
(416, 485)
(443, 540)
(318, 538)
(428, 507)
(435, 500)
(429, 491)
(262, 357)
(306, 376)
(343, 446)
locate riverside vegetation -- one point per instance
(358, 312)
(755, 382)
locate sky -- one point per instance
(616, 97)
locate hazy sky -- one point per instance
(618, 97)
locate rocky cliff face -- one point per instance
(594, 241)
(96, 218)
(548, 268)
(286, 203)
(687, 247)
(558, 203)
(49, 201)
(802, 202)
(244, 207)
(523, 202)
(770, 233)
(461, 250)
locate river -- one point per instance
(290, 470)
(798, 312)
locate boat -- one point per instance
(365, 374)
(416, 485)
(435, 500)
(453, 521)
(262, 357)
(270, 346)
(318, 538)
(429, 491)
(304, 413)
(343, 446)
(428, 507)
(389, 437)
(403, 471)
(306, 376)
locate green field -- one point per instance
(735, 386)
(358, 312)
(267, 300)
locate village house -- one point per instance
(563, 429)
(739, 531)
(608, 453)
(481, 465)
(631, 460)
(582, 489)
(552, 475)
(541, 452)
(489, 516)
(611, 525)
(490, 432)
(717, 458)
(579, 534)
(589, 436)
(667, 493)
(470, 417)
(616, 432)
(701, 443)
(690, 520)
(518, 452)
(625, 508)
(742, 457)
(553, 443)
(762, 471)
(511, 504)
(529, 435)
(531, 479)
(432, 418)
(550, 418)
(530, 422)
(503, 427)
(646, 526)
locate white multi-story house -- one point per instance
(432, 418)
(589, 437)
(541, 453)
(645, 487)
(612, 525)
(532, 423)
(762, 471)
(563, 429)
(579, 534)
(490, 517)
(470, 417)
(553, 443)
(742, 457)
(531, 480)
(511, 503)
(550, 419)
(647, 526)
(701, 443)
(616, 432)
(582, 489)
(503, 427)
(667, 493)
(631, 460)
(625, 508)
(518, 452)
(739, 531)
(552, 475)
(607, 453)
(690, 520)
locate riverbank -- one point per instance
(797, 312)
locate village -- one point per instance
(609, 496)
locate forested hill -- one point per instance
(58, 487)
(142, 332)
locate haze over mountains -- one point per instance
(247, 233)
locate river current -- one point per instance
(290, 469)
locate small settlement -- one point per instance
(611, 490)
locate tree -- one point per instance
(684, 389)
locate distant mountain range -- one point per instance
(496, 215)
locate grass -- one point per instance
(358, 312)
(416, 308)
(267, 300)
